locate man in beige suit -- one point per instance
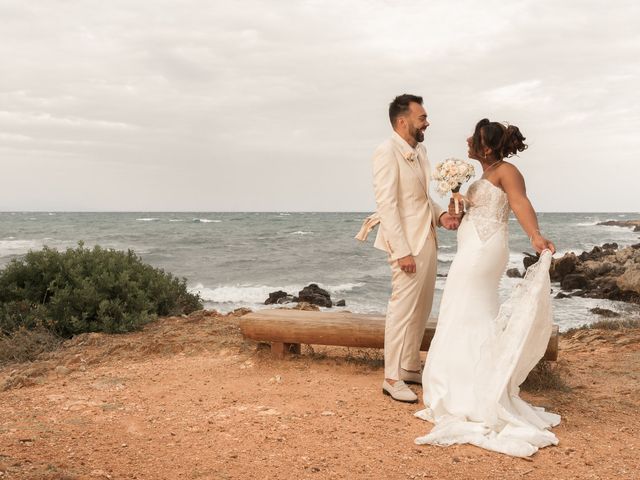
(408, 217)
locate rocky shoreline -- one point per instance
(635, 224)
(606, 272)
(311, 294)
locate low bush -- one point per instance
(545, 376)
(87, 290)
(25, 345)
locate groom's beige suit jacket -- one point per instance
(401, 176)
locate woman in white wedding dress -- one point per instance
(481, 351)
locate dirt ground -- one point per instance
(187, 398)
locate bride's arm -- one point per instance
(512, 183)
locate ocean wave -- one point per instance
(257, 294)
(205, 220)
(249, 294)
(18, 247)
(300, 232)
(147, 219)
(176, 220)
(344, 287)
(284, 214)
(446, 257)
(586, 224)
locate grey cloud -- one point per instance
(284, 101)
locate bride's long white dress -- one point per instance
(481, 351)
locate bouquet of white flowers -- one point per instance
(451, 174)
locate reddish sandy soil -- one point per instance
(187, 398)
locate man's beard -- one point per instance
(418, 136)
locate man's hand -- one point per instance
(449, 222)
(407, 264)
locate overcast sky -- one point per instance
(208, 105)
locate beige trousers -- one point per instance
(408, 311)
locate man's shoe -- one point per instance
(399, 391)
(411, 377)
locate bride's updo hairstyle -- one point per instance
(503, 140)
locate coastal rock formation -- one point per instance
(605, 312)
(514, 273)
(311, 294)
(278, 297)
(635, 224)
(315, 295)
(604, 272)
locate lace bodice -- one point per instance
(489, 209)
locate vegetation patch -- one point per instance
(545, 376)
(48, 295)
(607, 325)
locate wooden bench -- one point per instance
(286, 329)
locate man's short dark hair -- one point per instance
(400, 106)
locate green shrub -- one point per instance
(87, 290)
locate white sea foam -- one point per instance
(586, 224)
(256, 294)
(300, 232)
(344, 287)
(205, 220)
(149, 219)
(176, 220)
(18, 247)
(282, 214)
(247, 294)
(446, 257)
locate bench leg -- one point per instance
(280, 350)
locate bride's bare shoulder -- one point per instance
(509, 170)
(509, 177)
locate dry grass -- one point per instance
(607, 325)
(546, 376)
(26, 345)
(372, 358)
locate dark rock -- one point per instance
(514, 273)
(635, 224)
(341, 303)
(605, 312)
(595, 254)
(610, 246)
(562, 267)
(529, 259)
(562, 295)
(315, 295)
(274, 297)
(574, 281)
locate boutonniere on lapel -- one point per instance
(410, 157)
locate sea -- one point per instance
(235, 259)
